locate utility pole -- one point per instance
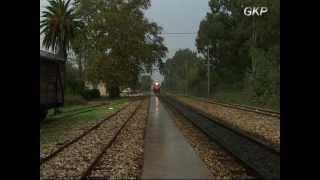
(186, 78)
(208, 66)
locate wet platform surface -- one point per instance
(167, 153)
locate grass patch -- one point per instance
(74, 100)
(66, 109)
(244, 97)
(62, 129)
(81, 107)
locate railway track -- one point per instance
(263, 111)
(87, 172)
(257, 157)
(120, 148)
(53, 154)
(88, 162)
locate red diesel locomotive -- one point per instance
(156, 88)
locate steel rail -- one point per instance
(53, 154)
(258, 110)
(87, 172)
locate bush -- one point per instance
(263, 80)
(95, 93)
(74, 100)
(90, 94)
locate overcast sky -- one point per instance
(174, 16)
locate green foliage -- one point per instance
(119, 41)
(264, 77)
(58, 25)
(90, 94)
(73, 83)
(244, 52)
(146, 83)
(182, 72)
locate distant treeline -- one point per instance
(244, 52)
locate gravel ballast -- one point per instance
(62, 131)
(124, 159)
(219, 162)
(76, 158)
(263, 128)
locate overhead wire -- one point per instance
(178, 34)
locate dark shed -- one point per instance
(52, 70)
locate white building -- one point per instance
(101, 87)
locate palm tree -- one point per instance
(58, 26)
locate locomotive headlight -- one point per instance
(157, 83)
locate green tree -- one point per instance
(58, 25)
(245, 49)
(146, 83)
(73, 83)
(183, 72)
(80, 51)
(120, 41)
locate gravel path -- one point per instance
(219, 163)
(124, 159)
(73, 160)
(264, 128)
